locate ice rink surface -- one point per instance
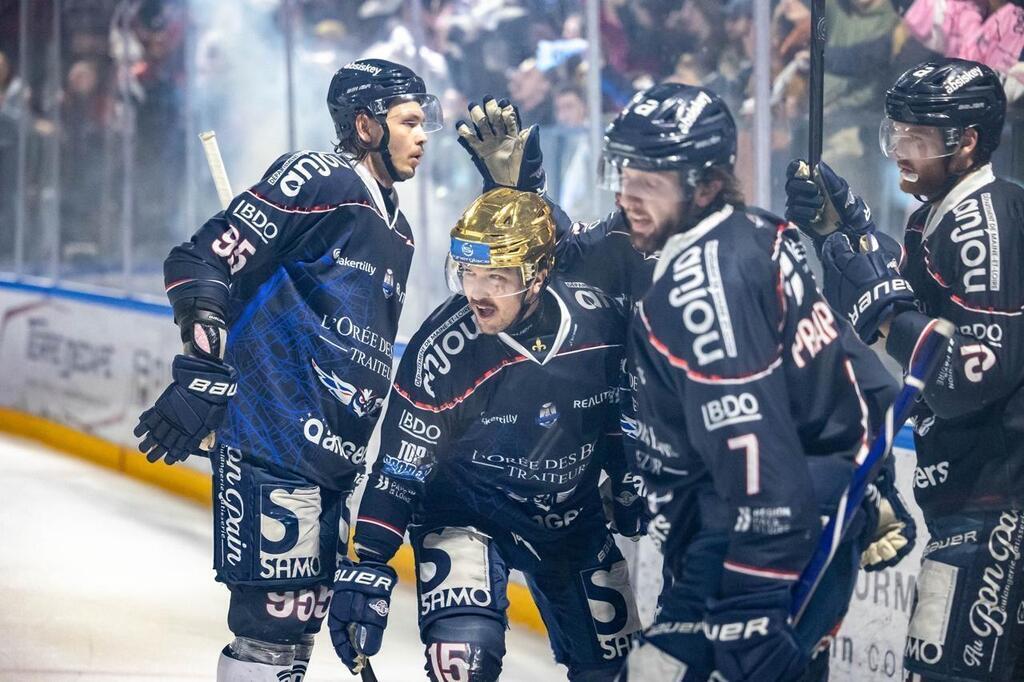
(105, 578)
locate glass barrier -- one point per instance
(101, 102)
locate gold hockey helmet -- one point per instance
(504, 228)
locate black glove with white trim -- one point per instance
(866, 287)
(191, 407)
(359, 609)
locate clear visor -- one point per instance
(421, 109)
(480, 282)
(912, 142)
(616, 175)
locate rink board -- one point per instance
(80, 366)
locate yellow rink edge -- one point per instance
(197, 486)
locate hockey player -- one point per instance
(750, 417)
(288, 304)
(943, 120)
(669, 157)
(504, 411)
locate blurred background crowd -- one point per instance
(101, 101)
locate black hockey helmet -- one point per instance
(952, 94)
(672, 126)
(372, 86)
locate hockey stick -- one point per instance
(363, 666)
(816, 85)
(220, 181)
(930, 348)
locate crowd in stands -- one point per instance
(105, 98)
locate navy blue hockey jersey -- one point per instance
(602, 255)
(500, 432)
(742, 377)
(961, 259)
(309, 267)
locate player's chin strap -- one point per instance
(384, 150)
(524, 307)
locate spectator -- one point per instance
(530, 89)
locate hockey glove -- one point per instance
(191, 407)
(825, 204)
(866, 287)
(505, 155)
(895, 531)
(752, 637)
(359, 609)
(625, 506)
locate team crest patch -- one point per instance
(548, 415)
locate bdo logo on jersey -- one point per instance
(289, 532)
(612, 609)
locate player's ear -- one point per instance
(706, 192)
(538, 281)
(367, 129)
(964, 156)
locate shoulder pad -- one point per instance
(312, 178)
(759, 215)
(586, 297)
(707, 312)
(424, 372)
(968, 250)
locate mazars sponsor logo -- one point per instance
(932, 474)
(988, 613)
(417, 428)
(699, 294)
(978, 238)
(953, 84)
(445, 342)
(300, 167)
(730, 409)
(317, 433)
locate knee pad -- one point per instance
(280, 617)
(247, 660)
(465, 648)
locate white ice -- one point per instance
(104, 578)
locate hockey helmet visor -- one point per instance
(915, 142)
(429, 116)
(632, 180)
(500, 245)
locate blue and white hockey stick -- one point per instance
(931, 346)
